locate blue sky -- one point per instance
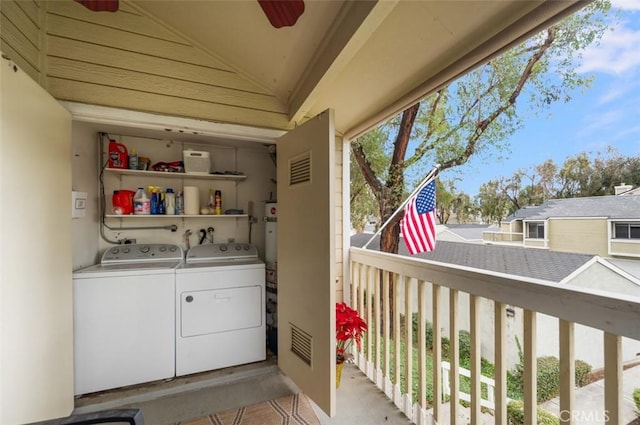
(607, 114)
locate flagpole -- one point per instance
(424, 181)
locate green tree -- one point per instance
(477, 114)
(577, 177)
(362, 200)
(450, 202)
(493, 202)
(445, 200)
(465, 209)
(548, 179)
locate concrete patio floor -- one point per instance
(169, 402)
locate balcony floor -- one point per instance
(172, 401)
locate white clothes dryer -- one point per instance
(124, 317)
(220, 308)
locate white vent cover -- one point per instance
(300, 169)
(301, 344)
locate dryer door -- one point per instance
(220, 310)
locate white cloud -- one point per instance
(626, 4)
(617, 53)
(601, 120)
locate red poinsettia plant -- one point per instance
(349, 327)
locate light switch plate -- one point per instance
(78, 204)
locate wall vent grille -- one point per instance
(301, 344)
(300, 169)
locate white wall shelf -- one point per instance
(154, 216)
(143, 173)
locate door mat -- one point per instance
(291, 410)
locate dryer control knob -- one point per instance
(145, 249)
(223, 248)
(238, 247)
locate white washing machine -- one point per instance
(220, 308)
(124, 317)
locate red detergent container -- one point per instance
(123, 202)
(118, 155)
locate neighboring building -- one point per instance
(471, 233)
(556, 268)
(608, 226)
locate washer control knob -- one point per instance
(115, 250)
(223, 248)
(163, 248)
(189, 298)
(173, 249)
(238, 247)
(246, 247)
(144, 249)
(126, 250)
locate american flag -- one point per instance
(419, 221)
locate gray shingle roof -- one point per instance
(612, 207)
(528, 262)
(468, 231)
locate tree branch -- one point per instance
(368, 173)
(484, 124)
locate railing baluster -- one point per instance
(500, 371)
(436, 353)
(530, 368)
(355, 281)
(376, 323)
(363, 281)
(567, 371)
(396, 340)
(355, 285)
(613, 378)
(408, 345)
(422, 344)
(361, 286)
(386, 323)
(454, 358)
(369, 307)
(474, 330)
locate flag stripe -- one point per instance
(419, 221)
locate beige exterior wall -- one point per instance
(534, 243)
(130, 61)
(629, 248)
(588, 236)
(517, 227)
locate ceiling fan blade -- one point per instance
(100, 5)
(282, 13)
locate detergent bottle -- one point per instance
(133, 159)
(141, 203)
(118, 156)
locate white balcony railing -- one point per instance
(488, 402)
(386, 289)
(505, 237)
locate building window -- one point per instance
(535, 230)
(626, 230)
